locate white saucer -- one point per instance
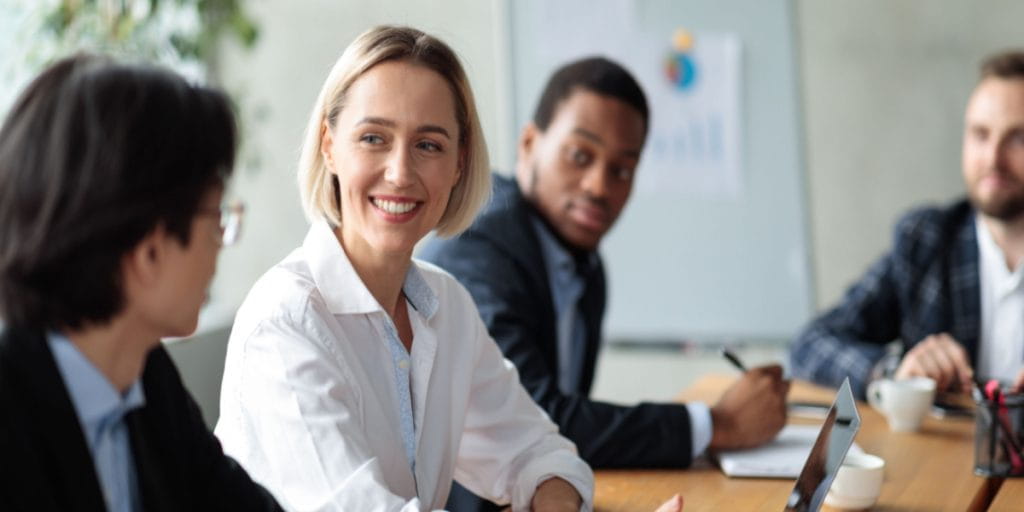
(849, 502)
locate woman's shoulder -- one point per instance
(285, 292)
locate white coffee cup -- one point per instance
(858, 483)
(904, 403)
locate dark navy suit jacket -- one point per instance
(45, 464)
(499, 260)
(927, 284)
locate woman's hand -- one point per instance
(556, 495)
(674, 504)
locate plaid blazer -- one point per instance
(927, 284)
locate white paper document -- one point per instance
(784, 457)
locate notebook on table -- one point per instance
(783, 457)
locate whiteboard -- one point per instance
(686, 261)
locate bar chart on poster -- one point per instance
(712, 245)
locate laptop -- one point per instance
(833, 441)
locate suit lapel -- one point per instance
(153, 492)
(522, 243)
(56, 444)
(965, 287)
(159, 449)
(592, 307)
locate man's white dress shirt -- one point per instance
(1001, 345)
(311, 406)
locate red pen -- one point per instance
(1002, 416)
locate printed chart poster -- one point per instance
(695, 142)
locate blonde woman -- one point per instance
(358, 378)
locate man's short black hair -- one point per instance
(95, 155)
(595, 74)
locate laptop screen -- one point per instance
(834, 440)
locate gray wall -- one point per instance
(200, 361)
(884, 87)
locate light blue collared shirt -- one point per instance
(422, 299)
(567, 287)
(566, 290)
(101, 411)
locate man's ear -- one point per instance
(327, 145)
(527, 140)
(524, 152)
(143, 263)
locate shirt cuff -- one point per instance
(700, 427)
(564, 464)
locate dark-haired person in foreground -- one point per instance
(111, 179)
(951, 289)
(530, 261)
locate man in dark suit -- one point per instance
(951, 287)
(111, 178)
(530, 261)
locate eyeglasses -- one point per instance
(230, 216)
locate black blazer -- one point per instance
(45, 462)
(499, 260)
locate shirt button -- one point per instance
(404, 364)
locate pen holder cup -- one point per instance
(999, 436)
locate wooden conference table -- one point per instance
(1010, 496)
(931, 469)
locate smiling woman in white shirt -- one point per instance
(358, 378)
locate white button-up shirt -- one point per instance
(311, 407)
(1002, 310)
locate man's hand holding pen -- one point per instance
(752, 411)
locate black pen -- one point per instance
(726, 353)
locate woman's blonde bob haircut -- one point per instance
(319, 188)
